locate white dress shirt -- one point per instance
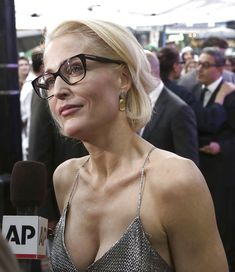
(211, 88)
(153, 96)
(25, 108)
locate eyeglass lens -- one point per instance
(71, 71)
(206, 64)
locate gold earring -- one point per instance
(122, 101)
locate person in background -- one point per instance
(170, 70)
(187, 54)
(25, 99)
(214, 41)
(173, 123)
(230, 63)
(23, 70)
(190, 81)
(127, 206)
(209, 118)
(170, 64)
(217, 149)
(190, 65)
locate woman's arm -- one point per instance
(191, 225)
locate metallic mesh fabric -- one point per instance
(132, 252)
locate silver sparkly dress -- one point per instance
(132, 252)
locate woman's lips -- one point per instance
(69, 109)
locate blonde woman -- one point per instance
(127, 206)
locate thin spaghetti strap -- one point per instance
(75, 183)
(142, 181)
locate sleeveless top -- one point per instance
(132, 252)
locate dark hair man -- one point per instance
(217, 149)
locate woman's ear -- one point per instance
(125, 79)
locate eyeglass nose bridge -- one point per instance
(59, 87)
(59, 90)
(58, 73)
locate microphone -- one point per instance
(28, 186)
(26, 232)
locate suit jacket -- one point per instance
(220, 168)
(173, 126)
(180, 91)
(209, 118)
(47, 145)
(219, 172)
(190, 82)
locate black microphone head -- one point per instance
(28, 184)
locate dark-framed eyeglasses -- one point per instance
(72, 71)
(206, 64)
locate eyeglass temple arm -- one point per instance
(102, 59)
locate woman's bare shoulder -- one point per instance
(67, 167)
(175, 174)
(184, 204)
(64, 178)
(179, 185)
(70, 163)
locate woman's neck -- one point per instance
(112, 155)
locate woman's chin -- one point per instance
(71, 132)
(81, 131)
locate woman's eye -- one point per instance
(50, 82)
(75, 69)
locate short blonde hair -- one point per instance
(117, 42)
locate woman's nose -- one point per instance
(61, 88)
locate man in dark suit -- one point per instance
(217, 148)
(190, 81)
(173, 124)
(208, 118)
